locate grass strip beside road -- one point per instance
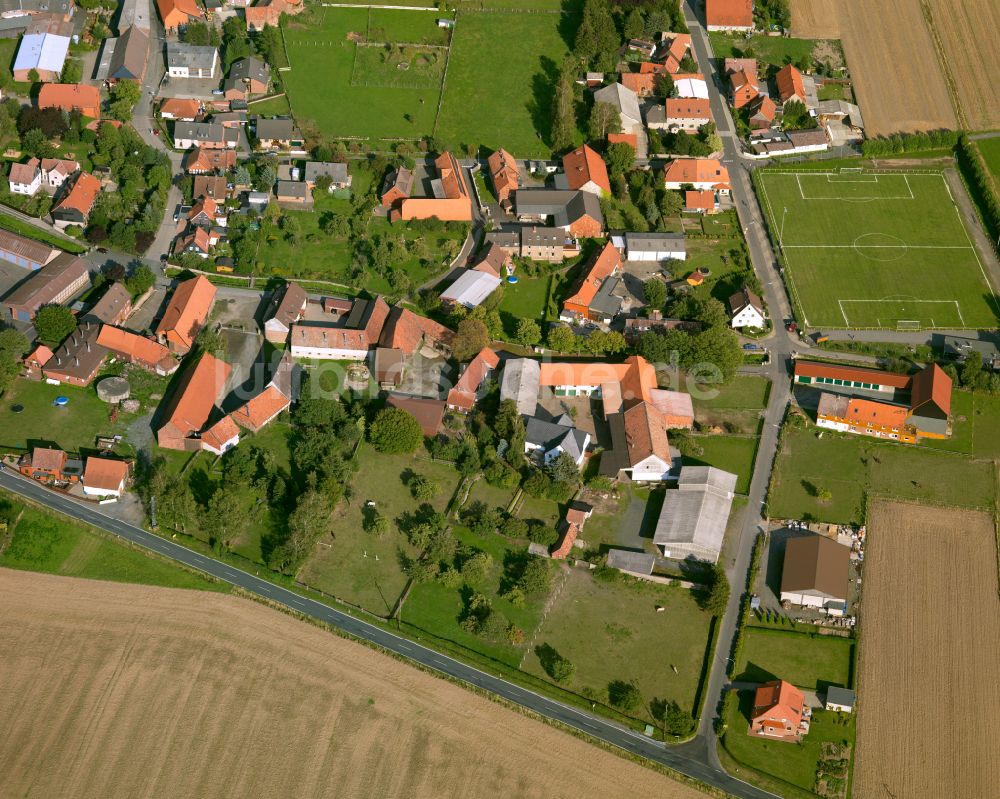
(30, 231)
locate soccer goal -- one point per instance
(908, 324)
(855, 170)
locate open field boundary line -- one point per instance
(879, 246)
(389, 8)
(901, 300)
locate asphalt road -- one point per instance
(592, 725)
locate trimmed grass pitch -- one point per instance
(877, 250)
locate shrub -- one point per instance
(395, 430)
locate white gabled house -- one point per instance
(746, 309)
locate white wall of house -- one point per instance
(656, 255)
(809, 601)
(27, 188)
(328, 353)
(687, 124)
(700, 185)
(578, 391)
(592, 187)
(840, 427)
(226, 446)
(748, 317)
(95, 491)
(651, 469)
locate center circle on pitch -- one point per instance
(880, 247)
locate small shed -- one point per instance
(631, 562)
(840, 699)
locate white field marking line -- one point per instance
(841, 304)
(830, 175)
(912, 300)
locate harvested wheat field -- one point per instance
(116, 690)
(968, 34)
(897, 76)
(816, 19)
(929, 681)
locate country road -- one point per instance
(595, 726)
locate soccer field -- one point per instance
(877, 250)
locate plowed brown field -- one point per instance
(968, 32)
(110, 690)
(896, 73)
(929, 684)
(816, 19)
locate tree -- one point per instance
(563, 339)
(620, 158)
(470, 338)
(35, 143)
(535, 576)
(824, 494)
(597, 37)
(423, 488)
(54, 323)
(33, 76)
(563, 114)
(224, 516)
(13, 345)
(716, 596)
(604, 119)
(72, 71)
(124, 95)
(376, 524)
(563, 469)
(971, 369)
(719, 346)
(655, 292)
(395, 430)
(528, 332)
(795, 116)
(559, 668)
(140, 281)
(309, 521)
(707, 310)
(196, 33)
(624, 695)
(478, 567)
(675, 721)
(664, 85)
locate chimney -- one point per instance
(655, 315)
(76, 361)
(88, 345)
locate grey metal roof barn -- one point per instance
(336, 171)
(655, 242)
(628, 561)
(519, 382)
(693, 518)
(625, 101)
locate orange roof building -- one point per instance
(407, 331)
(790, 86)
(504, 174)
(701, 173)
(779, 712)
(834, 374)
(930, 402)
(268, 12)
(631, 139)
(186, 314)
(221, 436)
(686, 113)
(585, 170)
(743, 87)
(138, 350)
(188, 411)
(642, 83)
(176, 13)
(75, 207)
(71, 97)
(451, 201)
(104, 477)
(201, 161)
(463, 396)
(176, 108)
(700, 201)
(261, 410)
(762, 111)
(576, 516)
(729, 15)
(579, 305)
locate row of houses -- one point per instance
(101, 477)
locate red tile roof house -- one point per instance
(576, 516)
(397, 187)
(495, 261)
(584, 170)
(348, 342)
(105, 477)
(631, 139)
(428, 412)
(686, 113)
(177, 13)
(577, 306)
(188, 410)
(779, 712)
(729, 15)
(186, 314)
(504, 174)
(743, 86)
(201, 161)
(701, 173)
(762, 111)
(34, 361)
(75, 207)
(463, 396)
(790, 85)
(71, 97)
(406, 331)
(701, 202)
(451, 201)
(286, 309)
(183, 110)
(221, 436)
(49, 466)
(138, 350)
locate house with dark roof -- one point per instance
(816, 572)
(429, 413)
(576, 212)
(78, 358)
(336, 171)
(247, 77)
(191, 60)
(397, 187)
(125, 57)
(547, 440)
(205, 135)
(389, 367)
(746, 309)
(53, 284)
(277, 134)
(113, 307)
(286, 308)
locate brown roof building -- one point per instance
(211, 187)
(504, 174)
(113, 307)
(201, 161)
(192, 404)
(816, 572)
(286, 309)
(397, 188)
(53, 284)
(428, 412)
(408, 332)
(186, 314)
(79, 358)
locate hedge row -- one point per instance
(909, 143)
(741, 625)
(981, 184)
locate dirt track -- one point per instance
(929, 682)
(125, 691)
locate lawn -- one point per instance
(736, 406)
(831, 91)
(776, 50)
(793, 764)
(72, 427)
(501, 80)
(525, 299)
(361, 568)
(322, 66)
(407, 27)
(986, 425)
(436, 609)
(45, 542)
(612, 631)
(734, 454)
(30, 231)
(865, 250)
(850, 466)
(810, 662)
(726, 274)
(990, 148)
(320, 255)
(274, 107)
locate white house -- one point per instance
(324, 342)
(548, 440)
(746, 310)
(25, 178)
(653, 246)
(56, 171)
(840, 699)
(191, 60)
(104, 477)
